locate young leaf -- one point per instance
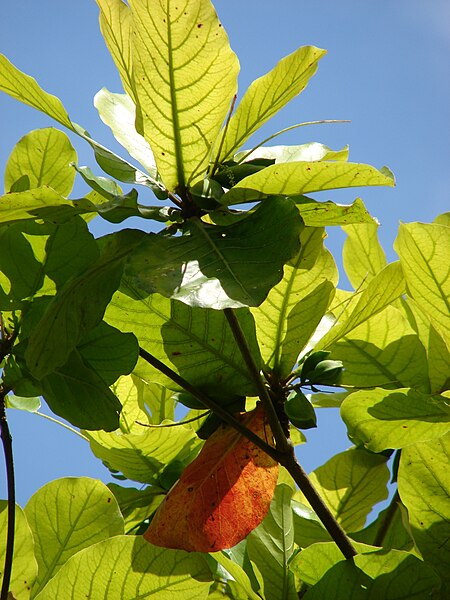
(351, 483)
(294, 307)
(267, 95)
(67, 515)
(295, 178)
(362, 254)
(383, 419)
(271, 545)
(424, 489)
(140, 571)
(197, 343)
(25, 89)
(184, 77)
(220, 267)
(309, 152)
(321, 214)
(221, 496)
(44, 156)
(24, 567)
(116, 24)
(424, 251)
(119, 113)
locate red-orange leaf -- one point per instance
(222, 495)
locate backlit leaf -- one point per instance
(295, 178)
(128, 567)
(271, 545)
(44, 156)
(136, 505)
(396, 537)
(220, 267)
(240, 577)
(184, 76)
(321, 214)
(424, 488)
(268, 94)
(308, 528)
(39, 203)
(424, 251)
(351, 483)
(67, 515)
(362, 253)
(308, 152)
(24, 565)
(221, 496)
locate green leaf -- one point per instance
(381, 291)
(424, 252)
(197, 343)
(443, 219)
(25, 89)
(140, 398)
(39, 203)
(289, 315)
(383, 419)
(351, 483)
(321, 214)
(220, 267)
(140, 571)
(24, 565)
(295, 178)
(184, 76)
(424, 489)
(396, 537)
(136, 505)
(300, 411)
(107, 188)
(72, 314)
(373, 575)
(309, 152)
(116, 27)
(119, 113)
(438, 355)
(308, 528)
(78, 393)
(383, 351)
(238, 575)
(271, 545)
(267, 95)
(362, 254)
(67, 515)
(143, 456)
(44, 156)
(31, 404)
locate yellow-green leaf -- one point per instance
(424, 251)
(39, 203)
(24, 88)
(184, 79)
(351, 483)
(362, 254)
(321, 214)
(116, 27)
(44, 157)
(24, 567)
(424, 487)
(383, 419)
(268, 94)
(128, 567)
(295, 178)
(67, 515)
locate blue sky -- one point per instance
(386, 70)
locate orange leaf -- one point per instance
(222, 495)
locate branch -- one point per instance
(7, 448)
(387, 520)
(282, 442)
(209, 403)
(320, 508)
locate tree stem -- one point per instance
(209, 403)
(387, 520)
(282, 442)
(7, 448)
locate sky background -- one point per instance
(386, 70)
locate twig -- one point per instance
(282, 442)
(209, 403)
(53, 420)
(7, 448)
(387, 520)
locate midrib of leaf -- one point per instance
(174, 105)
(41, 170)
(62, 547)
(371, 359)
(201, 342)
(346, 498)
(285, 561)
(216, 250)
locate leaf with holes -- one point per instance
(221, 496)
